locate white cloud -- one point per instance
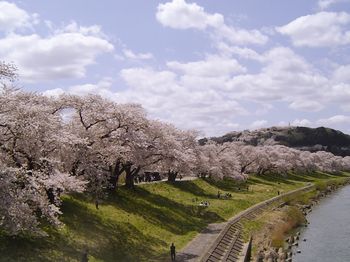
(334, 120)
(185, 103)
(258, 124)
(284, 76)
(137, 56)
(242, 52)
(212, 66)
(239, 36)
(53, 92)
(149, 80)
(339, 94)
(342, 74)
(337, 122)
(263, 109)
(346, 107)
(306, 105)
(102, 88)
(324, 4)
(317, 30)
(179, 14)
(12, 17)
(74, 27)
(194, 94)
(65, 54)
(302, 122)
(283, 123)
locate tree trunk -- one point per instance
(75, 168)
(129, 179)
(244, 167)
(129, 175)
(172, 176)
(115, 173)
(50, 195)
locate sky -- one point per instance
(215, 66)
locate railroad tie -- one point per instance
(234, 249)
(229, 246)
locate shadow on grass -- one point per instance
(301, 178)
(291, 178)
(312, 176)
(255, 180)
(31, 249)
(111, 241)
(279, 179)
(163, 212)
(105, 240)
(227, 184)
(191, 187)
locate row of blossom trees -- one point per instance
(50, 146)
(237, 160)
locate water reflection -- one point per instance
(328, 235)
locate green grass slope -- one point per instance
(140, 225)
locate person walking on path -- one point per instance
(85, 258)
(172, 252)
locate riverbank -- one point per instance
(327, 236)
(276, 233)
(140, 225)
(227, 242)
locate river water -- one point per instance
(328, 234)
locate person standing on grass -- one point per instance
(172, 252)
(96, 203)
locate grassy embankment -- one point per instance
(140, 225)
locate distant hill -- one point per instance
(303, 138)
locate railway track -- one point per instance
(229, 244)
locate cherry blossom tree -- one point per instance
(346, 163)
(32, 175)
(116, 139)
(8, 71)
(220, 160)
(304, 162)
(175, 151)
(247, 157)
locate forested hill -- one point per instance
(304, 138)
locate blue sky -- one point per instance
(215, 66)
